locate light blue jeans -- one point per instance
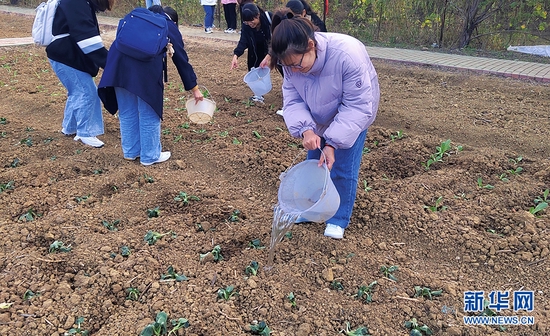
(82, 113)
(149, 3)
(345, 175)
(209, 17)
(139, 127)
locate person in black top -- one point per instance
(303, 9)
(255, 36)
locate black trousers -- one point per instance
(230, 13)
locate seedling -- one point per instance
(59, 246)
(171, 274)
(288, 235)
(235, 216)
(148, 179)
(337, 285)
(98, 171)
(388, 272)
(416, 329)
(29, 294)
(503, 177)
(132, 294)
(483, 186)
(260, 328)
(185, 125)
(236, 141)
(223, 134)
(125, 251)
(437, 206)
(256, 244)
(160, 327)
(29, 216)
(365, 292)
(366, 186)
(360, 331)
(77, 330)
(153, 212)
(80, 199)
(151, 237)
(216, 254)
(111, 226)
(3, 121)
(15, 163)
(252, 269)
(397, 136)
(48, 140)
(7, 186)
(426, 292)
(292, 299)
(166, 131)
(516, 161)
(184, 198)
(441, 151)
(26, 141)
(256, 134)
(227, 293)
(5, 305)
(541, 203)
(516, 171)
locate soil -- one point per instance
(479, 239)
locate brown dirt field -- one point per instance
(485, 239)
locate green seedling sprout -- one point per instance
(178, 324)
(360, 331)
(541, 203)
(80, 199)
(483, 186)
(185, 199)
(437, 206)
(227, 293)
(256, 134)
(416, 329)
(29, 216)
(365, 292)
(441, 151)
(124, 251)
(5, 305)
(3, 121)
(15, 163)
(7, 186)
(98, 171)
(235, 216)
(503, 177)
(77, 330)
(59, 246)
(159, 327)
(516, 161)
(153, 212)
(515, 171)
(256, 244)
(111, 226)
(132, 294)
(236, 141)
(252, 269)
(151, 237)
(397, 136)
(337, 285)
(29, 294)
(216, 254)
(388, 272)
(148, 179)
(260, 328)
(426, 292)
(26, 141)
(288, 235)
(292, 299)
(171, 274)
(366, 187)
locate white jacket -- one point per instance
(208, 2)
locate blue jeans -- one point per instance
(83, 107)
(149, 3)
(345, 175)
(139, 127)
(209, 17)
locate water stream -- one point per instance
(282, 223)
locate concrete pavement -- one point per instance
(508, 68)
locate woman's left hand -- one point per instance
(328, 153)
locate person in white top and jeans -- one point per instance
(208, 6)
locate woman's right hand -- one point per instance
(234, 62)
(311, 140)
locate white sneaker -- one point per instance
(258, 99)
(66, 133)
(334, 231)
(279, 112)
(229, 31)
(90, 141)
(208, 30)
(162, 157)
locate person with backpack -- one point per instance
(76, 58)
(255, 36)
(134, 87)
(331, 96)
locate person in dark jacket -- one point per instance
(135, 89)
(255, 36)
(76, 54)
(303, 9)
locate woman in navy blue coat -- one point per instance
(135, 89)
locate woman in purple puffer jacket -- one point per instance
(331, 96)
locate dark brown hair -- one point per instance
(291, 35)
(103, 5)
